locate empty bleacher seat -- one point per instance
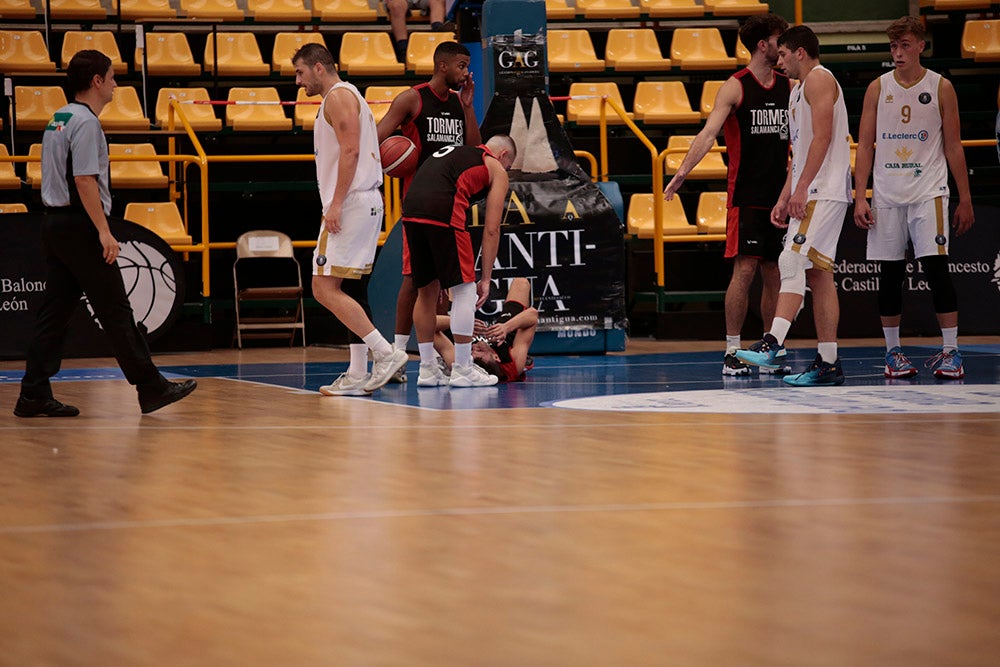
(239, 55)
(8, 177)
(344, 10)
(77, 9)
(742, 54)
(711, 215)
(34, 105)
(285, 46)
(572, 51)
(641, 223)
(711, 166)
(124, 112)
(305, 114)
(584, 106)
(101, 40)
(161, 218)
(227, 10)
(956, 5)
(279, 10)
(17, 9)
(24, 51)
(135, 174)
(663, 102)
(420, 50)
(33, 170)
(380, 98)
(699, 48)
(671, 9)
(167, 54)
(981, 40)
(13, 208)
(557, 10)
(369, 54)
(736, 7)
(201, 117)
(634, 49)
(608, 9)
(250, 117)
(709, 90)
(147, 9)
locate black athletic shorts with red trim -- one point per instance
(502, 348)
(439, 252)
(749, 233)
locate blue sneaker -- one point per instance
(762, 353)
(779, 358)
(820, 374)
(897, 365)
(947, 365)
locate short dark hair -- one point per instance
(904, 25)
(83, 67)
(446, 50)
(313, 53)
(800, 37)
(760, 28)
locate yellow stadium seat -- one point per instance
(584, 106)
(201, 116)
(239, 55)
(369, 54)
(981, 40)
(711, 214)
(129, 174)
(161, 218)
(147, 9)
(167, 54)
(556, 10)
(8, 177)
(124, 112)
(102, 40)
(33, 170)
(742, 54)
(699, 48)
(227, 10)
(249, 117)
(36, 104)
(709, 90)
(736, 7)
(13, 208)
(640, 220)
(607, 9)
(279, 10)
(24, 51)
(285, 46)
(305, 114)
(344, 10)
(634, 49)
(957, 5)
(711, 166)
(663, 102)
(671, 9)
(77, 9)
(380, 98)
(572, 51)
(420, 50)
(17, 9)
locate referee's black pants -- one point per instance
(75, 262)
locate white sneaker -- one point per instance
(431, 375)
(471, 376)
(346, 385)
(384, 368)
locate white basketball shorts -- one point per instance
(351, 252)
(816, 235)
(925, 223)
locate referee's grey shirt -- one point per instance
(74, 130)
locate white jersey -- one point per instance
(368, 174)
(833, 180)
(910, 165)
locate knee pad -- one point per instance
(463, 308)
(357, 290)
(792, 267)
(890, 288)
(939, 278)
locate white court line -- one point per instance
(501, 510)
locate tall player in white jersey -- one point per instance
(910, 115)
(816, 196)
(349, 171)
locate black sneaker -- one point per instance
(43, 407)
(820, 374)
(167, 394)
(733, 366)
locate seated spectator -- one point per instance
(398, 11)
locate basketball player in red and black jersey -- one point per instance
(431, 115)
(441, 252)
(751, 108)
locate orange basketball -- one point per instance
(399, 156)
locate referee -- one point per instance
(80, 251)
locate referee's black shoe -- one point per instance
(43, 407)
(171, 392)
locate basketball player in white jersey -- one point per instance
(816, 195)
(910, 135)
(349, 172)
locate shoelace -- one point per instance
(939, 359)
(900, 359)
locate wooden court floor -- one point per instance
(255, 525)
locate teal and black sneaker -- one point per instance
(820, 374)
(763, 353)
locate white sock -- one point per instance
(379, 345)
(400, 341)
(779, 329)
(426, 352)
(463, 354)
(828, 351)
(732, 343)
(949, 337)
(359, 360)
(891, 337)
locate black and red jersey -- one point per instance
(445, 185)
(438, 123)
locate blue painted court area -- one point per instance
(682, 382)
